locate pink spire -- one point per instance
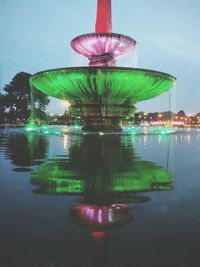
(104, 17)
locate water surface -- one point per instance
(90, 200)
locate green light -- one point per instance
(54, 178)
(112, 84)
(163, 132)
(29, 129)
(44, 127)
(148, 130)
(76, 126)
(123, 172)
(145, 176)
(127, 117)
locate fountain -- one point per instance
(102, 93)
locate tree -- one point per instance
(18, 100)
(181, 113)
(23, 150)
(2, 109)
(38, 106)
(197, 115)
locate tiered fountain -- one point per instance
(103, 93)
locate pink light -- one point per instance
(99, 44)
(98, 234)
(100, 217)
(103, 48)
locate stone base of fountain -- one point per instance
(102, 125)
(103, 117)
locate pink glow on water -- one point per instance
(98, 217)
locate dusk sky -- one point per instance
(35, 35)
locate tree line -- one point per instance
(18, 100)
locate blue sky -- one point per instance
(36, 35)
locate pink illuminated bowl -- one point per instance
(98, 44)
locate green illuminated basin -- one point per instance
(92, 83)
(102, 96)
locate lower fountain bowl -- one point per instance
(103, 95)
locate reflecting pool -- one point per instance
(99, 200)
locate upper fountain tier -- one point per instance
(103, 47)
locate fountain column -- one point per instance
(102, 115)
(104, 17)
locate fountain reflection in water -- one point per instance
(107, 177)
(102, 176)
